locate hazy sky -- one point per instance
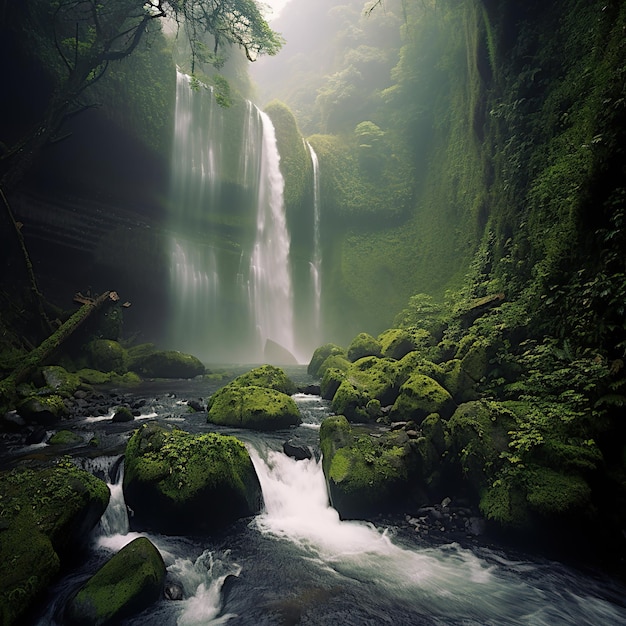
(276, 6)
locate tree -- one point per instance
(77, 39)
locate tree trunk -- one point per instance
(50, 345)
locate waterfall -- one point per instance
(195, 184)
(270, 278)
(316, 261)
(230, 271)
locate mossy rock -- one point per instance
(433, 430)
(177, 483)
(365, 476)
(320, 355)
(123, 414)
(475, 361)
(130, 379)
(28, 565)
(106, 355)
(458, 382)
(350, 401)
(129, 582)
(377, 378)
(44, 410)
(65, 438)
(478, 435)
(93, 377)
(167, 364)
(256, 408)
(396, 343)
(333, 377)
(551, 493)
(268, 376)
(60, 381)
(334, 361)
(420, 396)
(47, 515)
(363, 345)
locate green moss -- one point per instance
(320, 355)
(253, 407)
(419, 396)
(350, 401)
(60, 380)
(553, 493)
(166, 364)
(40, 407)
(106, 355)
(333, 378)
(64, 438)
(363, 345)
(267, 376)
(45, 514)
(127, 583)
(93, 377)
(175, 481)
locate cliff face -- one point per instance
(491, 163)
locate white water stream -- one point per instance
(316, 262)
(299, 553)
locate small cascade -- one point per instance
(114, 521)
(270, 278)
(316, 261)
(202, 580)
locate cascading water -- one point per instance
(230, 284)
(270, 278)
(316, 262)
(195, 183)
(298, 562)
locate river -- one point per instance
(298, 563)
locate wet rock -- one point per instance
(173, 591)
(311, 390)
(296, 450)
(196, 405)
(127, 583)
(123, 414)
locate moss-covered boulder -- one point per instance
(60, 381)
(176, 482)
(350, 400)
(333, 377)
(44, 410)
(65, 438)
(46, 515)
(167, 364)
(267, 376)
(93, 377)
(320, 355)
(125, 585)
(478, 435)
(106, 355)
(363, 345)
(256, 408)
(395, 343)
(365, 475)
(377, 378)
(419, 396)
(123, 414)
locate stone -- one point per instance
(296, 450)
(256, 408)
(178, 483)
(123, 414)
(276, 354)
(129, 582)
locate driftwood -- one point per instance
(45, 349)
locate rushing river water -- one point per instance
(298, 563)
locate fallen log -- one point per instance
(45, 349)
